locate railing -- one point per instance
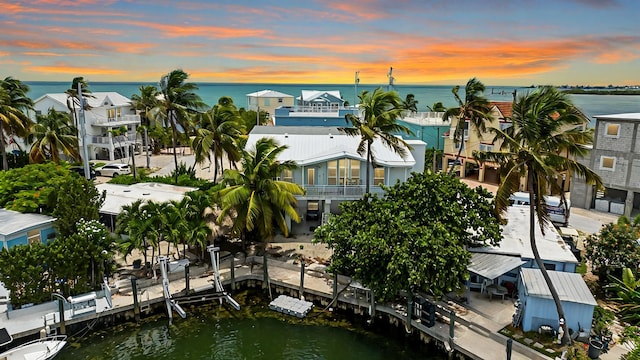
(118, 119)
(340, 190)
(115, 139)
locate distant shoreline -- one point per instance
(601, 92)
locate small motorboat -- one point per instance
(41, 349)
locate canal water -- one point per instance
(216, 332)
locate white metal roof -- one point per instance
(122, 195)
(516, 242)
(99, 99)
(314, 144)
(491, 266)
(623, 116)
(570, 286)
(269, 94)
(310, 95)
(12, 222)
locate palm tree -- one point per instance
(13, 120)
(410, 103)
(147, 100)
(131, 222)
(437, 107)
(548, 133)
(178, 102)
(73, 97)
(217, 131)
(475, 109)
(255, 197)
(380, 110)
(51, 135)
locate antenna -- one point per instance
(357, 81)
(391, 79)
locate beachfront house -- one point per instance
(118, 196)
(268, 101)
(108, 115)
(615, 156)
(537, 307)
(315, 108)
(330, 169)
(427, 127)
(24, 228)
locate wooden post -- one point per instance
(265, 272)
(63, 327)
(409, 310)
(233, 274)
(509, 347)
(335, 285)
(452, 321)
(134, 292)
(301, 295)
(186, 280)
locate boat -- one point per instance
(41, 349)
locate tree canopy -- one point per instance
(413, 237)
(615, 247)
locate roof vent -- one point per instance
(146, 193)
(286, 135)
(330, 136)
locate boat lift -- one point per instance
(220, 294)
(169, 301)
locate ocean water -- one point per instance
(426, 95)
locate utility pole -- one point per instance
(83, 134)
(355, 100)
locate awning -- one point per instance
(492, 266)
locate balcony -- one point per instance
(340, 191)
(117, 140)
(117, 121)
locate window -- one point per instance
(287, 175)
(311, 176)
(607, 163)
(486, 147)
(267, 102)
(613, 130)
(112, 114)
(33, 236)
(378, 176)
(343, 169)
(313, 210)
(354, 173)
(280, 100)
(333, 172)
(551, 267)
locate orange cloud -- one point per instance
(62, 68)
(615, 57)
(363, 9)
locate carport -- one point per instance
(486, 268)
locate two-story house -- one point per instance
(331, 170)
(472, 141)
(268, 101)
(108, 114)
(315, 108)
(615, 156)
(428, 127)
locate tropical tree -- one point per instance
(178, 102)
(613, 248)
(73, 97)
(13, 120)
(133, 222)
(257, 200)
(217, 132)
(546, 136)
(437, 107)
(410, 103)
(119, 135)
(78, 199)
(380, 110)
(474, 110)
(144, 103)
(403, 240)
(51, 135)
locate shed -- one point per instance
(18, 228)
(537, 303)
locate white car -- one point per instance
(113, 170)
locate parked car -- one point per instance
(555, 208)
(80, 171)
(113, 170)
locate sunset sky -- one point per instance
(506, 42)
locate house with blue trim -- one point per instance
(315, 108)
(427, 127)
(23, 229)
(331, 170)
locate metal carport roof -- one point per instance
(492, 266)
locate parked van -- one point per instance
(555, 209)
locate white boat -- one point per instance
(40, 349)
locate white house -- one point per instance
(268, 101)
(330, 168)
(109, 111)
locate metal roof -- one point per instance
(269, 94)
(122, 195)
(515, 239)
(315, 144)
(98, 99)
(491, 266)
(624, 116)
(12, 222)
(570, 286)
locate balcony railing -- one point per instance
(130, 119)
(117, 140)
(341, 190)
